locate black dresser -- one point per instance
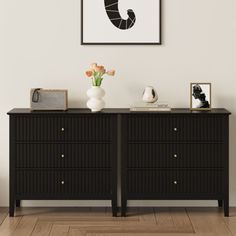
(73, 155)
(63, 156)
(177, 155)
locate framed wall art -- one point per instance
(130, 22)
(200, 94)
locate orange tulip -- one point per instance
(93, 66)
(89, 73)
(111, 72)
(100, 69)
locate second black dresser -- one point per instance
(177, 155)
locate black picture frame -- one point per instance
(117, 43)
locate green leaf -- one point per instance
(95, 75)
(99, 81)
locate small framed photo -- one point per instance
(200, 96)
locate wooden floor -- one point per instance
(98, 222)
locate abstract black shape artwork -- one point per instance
(121, 22)
(200, 96)
(112, 9)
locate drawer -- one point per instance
(183, 182)
(39, 128)
(97, 127)
(153, 127)
(79, 155)
(90, 183)
(175, 155)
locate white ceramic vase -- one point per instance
(95, 102)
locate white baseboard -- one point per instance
(141, 203)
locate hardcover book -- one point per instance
(151, 107)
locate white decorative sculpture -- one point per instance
(150, 95)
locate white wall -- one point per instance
(40, 47)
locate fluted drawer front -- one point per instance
(78, 182)
(39, 128)
(175, 155)
(95, 127)
(152, 127)
(59, 128)
(63, 155)
(174, 182)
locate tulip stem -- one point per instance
(94, 81)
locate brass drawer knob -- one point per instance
(175, 182)
(62, 129)
(175, 129)
(62, 155)
(175, 155)
(62, 182)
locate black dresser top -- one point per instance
(74, 111)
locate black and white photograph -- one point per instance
(200, 96)
(121, 22)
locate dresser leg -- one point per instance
(17, 203)
(220, 203)
(114, 211)
(123, 207)
(114, 207)
(226, 207)
(12, 208)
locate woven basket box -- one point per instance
(48, 99)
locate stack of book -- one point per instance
(151, 107)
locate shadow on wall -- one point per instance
(232, 151)
(4, 194)
(229, 103)
(78, 103)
